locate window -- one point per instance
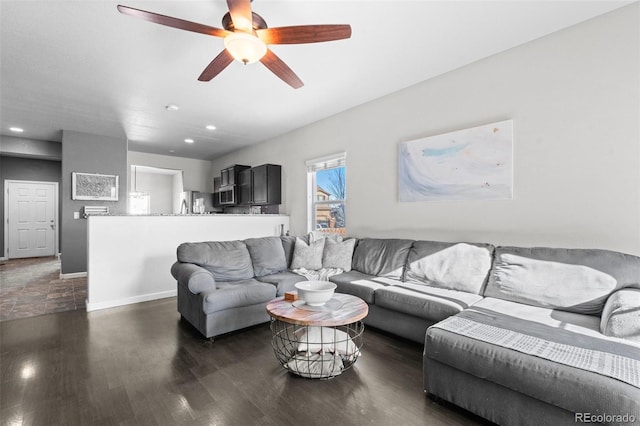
(326, 194)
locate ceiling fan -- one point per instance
(246, 36)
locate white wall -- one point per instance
(197, 174)
(574, 97)
(140, 269)
(160, 187)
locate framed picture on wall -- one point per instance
(469, 164)
(93, 186)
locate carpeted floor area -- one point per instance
(32, 286)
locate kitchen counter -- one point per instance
(194, 215)
(129, 257)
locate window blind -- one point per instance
(327, 162)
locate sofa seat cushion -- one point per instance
(226, 260)
(381, 257)
(536, 376)
(360, 285)
(455, 266)
(237, 294)
(431, 303)
(574, 280)
(284, 281)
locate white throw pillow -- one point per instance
(315, 365)
(338, 254)
(307, 256)
(325, 339)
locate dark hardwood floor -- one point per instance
(142, 365)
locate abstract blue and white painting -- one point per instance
(469, 164)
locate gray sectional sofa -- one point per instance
(515, 335)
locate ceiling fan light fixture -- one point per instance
(245, 47)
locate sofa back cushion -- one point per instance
(226, 260)
(454, 266)
(574, 280)
(381, 257)
(267, 255)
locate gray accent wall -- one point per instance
(31, 169)
(87, 153)
(574, 97)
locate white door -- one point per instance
(31, 218)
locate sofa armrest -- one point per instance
(195, 278)
(621, 315)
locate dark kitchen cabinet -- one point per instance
(229, 190)
(216, 192)
(266, 184)
(244, 187)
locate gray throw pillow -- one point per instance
(621, 315)
(308, 256)
(267, 255)
(338, 254)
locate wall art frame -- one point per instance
(469, 164)
(94, 186)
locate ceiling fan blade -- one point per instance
(304, 34)
(240, 11)
(282, 70)
(173, 22)
(216, 66)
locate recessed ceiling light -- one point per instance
(172, 107)
(172, 150)
(189, 140)
(16, 129)
(211, 127)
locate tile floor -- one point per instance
(32, 286)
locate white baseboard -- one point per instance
(4, 258)
(73, 275)
(130, 300)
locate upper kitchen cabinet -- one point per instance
(266, 184)
(245, 187)
(229, 177)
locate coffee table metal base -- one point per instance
(316, 352)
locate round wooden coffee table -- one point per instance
(317, 342)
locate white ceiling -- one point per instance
(81, 65)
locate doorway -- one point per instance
(31, 225)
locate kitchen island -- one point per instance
(129, 257)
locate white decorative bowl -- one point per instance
(315, 293)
